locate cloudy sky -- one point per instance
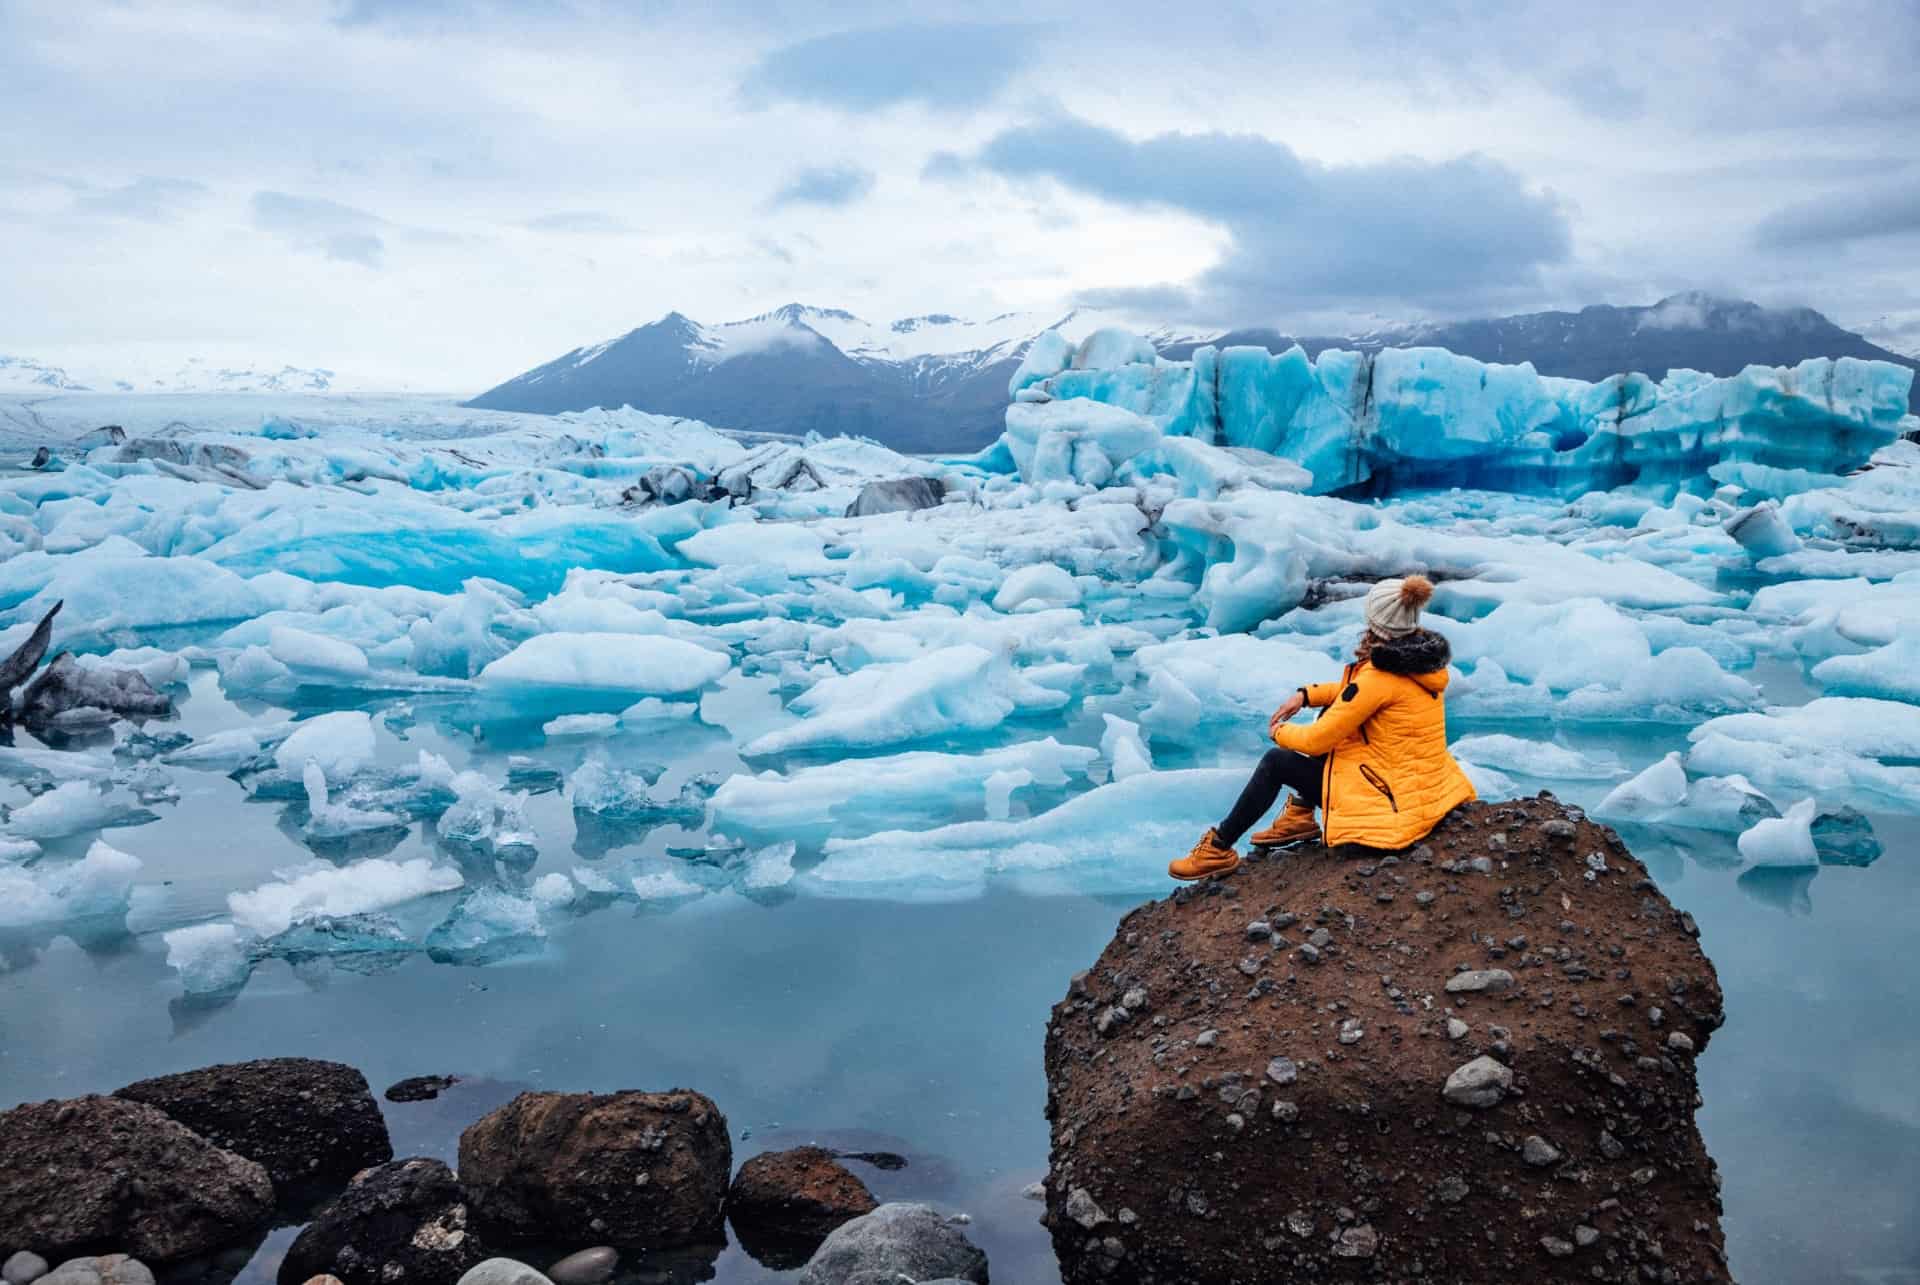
(442, 194)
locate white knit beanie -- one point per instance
(1393, 606)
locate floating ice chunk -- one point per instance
(100, 883)
(340, 742)
(552, 890)
(591, 880)
(73, 808)
(159, 668)
(30, 763)
(1782, 841)
(334, 820)
(886, 790)
(664, 885)
(1856, 724)
(1123, 748)
(1000, 787)
(959, 688)
(254, 671)
(1175, 711)
(650, 709)
(581, 725)
(1540, 759)
(640, 664)
(231, 749)
(793, 547)
(485, 815)
(1762, 532)
(12, 849)
(316, 657)
(1488, 783)
(1111, 839)
(486, 925)
(1230, 678)
(1655, 790)
(463, 637)
(769, 867)
(212, 959)
(1728, 804)
(317, 889)
(1892, 671)
(1035, 588)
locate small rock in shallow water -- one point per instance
(587, 1267)
(894, 1240)
(420, 1088)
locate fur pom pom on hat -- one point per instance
(1393, 606)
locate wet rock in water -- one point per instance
(894, 1241)
(784, 1203)
(420, 1088)
(635, 1170)
(26, 658)
(1385, 1144)
(104, 1269)
(503, 1271)
(65, 686)
(94, 1171)
(23, 1268)
(587, 1267)
(307, 1121)
(897, 495)
(403, 1221)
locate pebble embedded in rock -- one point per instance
(1281, 1070)
(1258, 930)
(1451, 1190)
(1584, 1236)
(1083, 1209)
(1480, 980)
(1319, 938)
(1457, 1029)
(1205, 1039)
(1680, 1042)
(1034, 1191)
(1538, 1152)
(1286, 1112)
(106, 1269)
(1309, 953)
(23, 1268)
(1357, 1242)
(324, 1280)
(1480, 1083)
(1134, 1001)
(587, 1267)
(1556, 1247)
(1351, 1032)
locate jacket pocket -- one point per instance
(1379, 783)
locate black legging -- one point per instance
(1278, 769)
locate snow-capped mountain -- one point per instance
(25, 375)
(933, 382)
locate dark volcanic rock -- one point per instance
(307, 1121)
(632, 1170)
(400, 1223)
(98, 1175)
(783, 1203)
(65, 685)
(26, 658)
(1569, 1117)
(899, 1242)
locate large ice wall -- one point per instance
(1413, 417)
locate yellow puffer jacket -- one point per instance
(1383, 727)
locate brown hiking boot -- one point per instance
(1294, 823)
(1207, 859)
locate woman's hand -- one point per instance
(1295, 703)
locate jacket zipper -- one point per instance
(1379, 783)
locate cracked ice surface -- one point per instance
(447, 681)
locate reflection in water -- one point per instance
(1783, 889)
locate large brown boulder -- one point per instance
(1470, 1061)
(97, 1175)
(307, 1121)
(633, 1170)
(783, 1203)
(400, 1223)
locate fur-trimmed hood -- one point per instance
(1421, 652)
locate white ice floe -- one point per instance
(319, 889)
(54, 892)
(631, 664)
(1782, 841)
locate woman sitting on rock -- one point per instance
(1375, 762)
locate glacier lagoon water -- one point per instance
(888, 692)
